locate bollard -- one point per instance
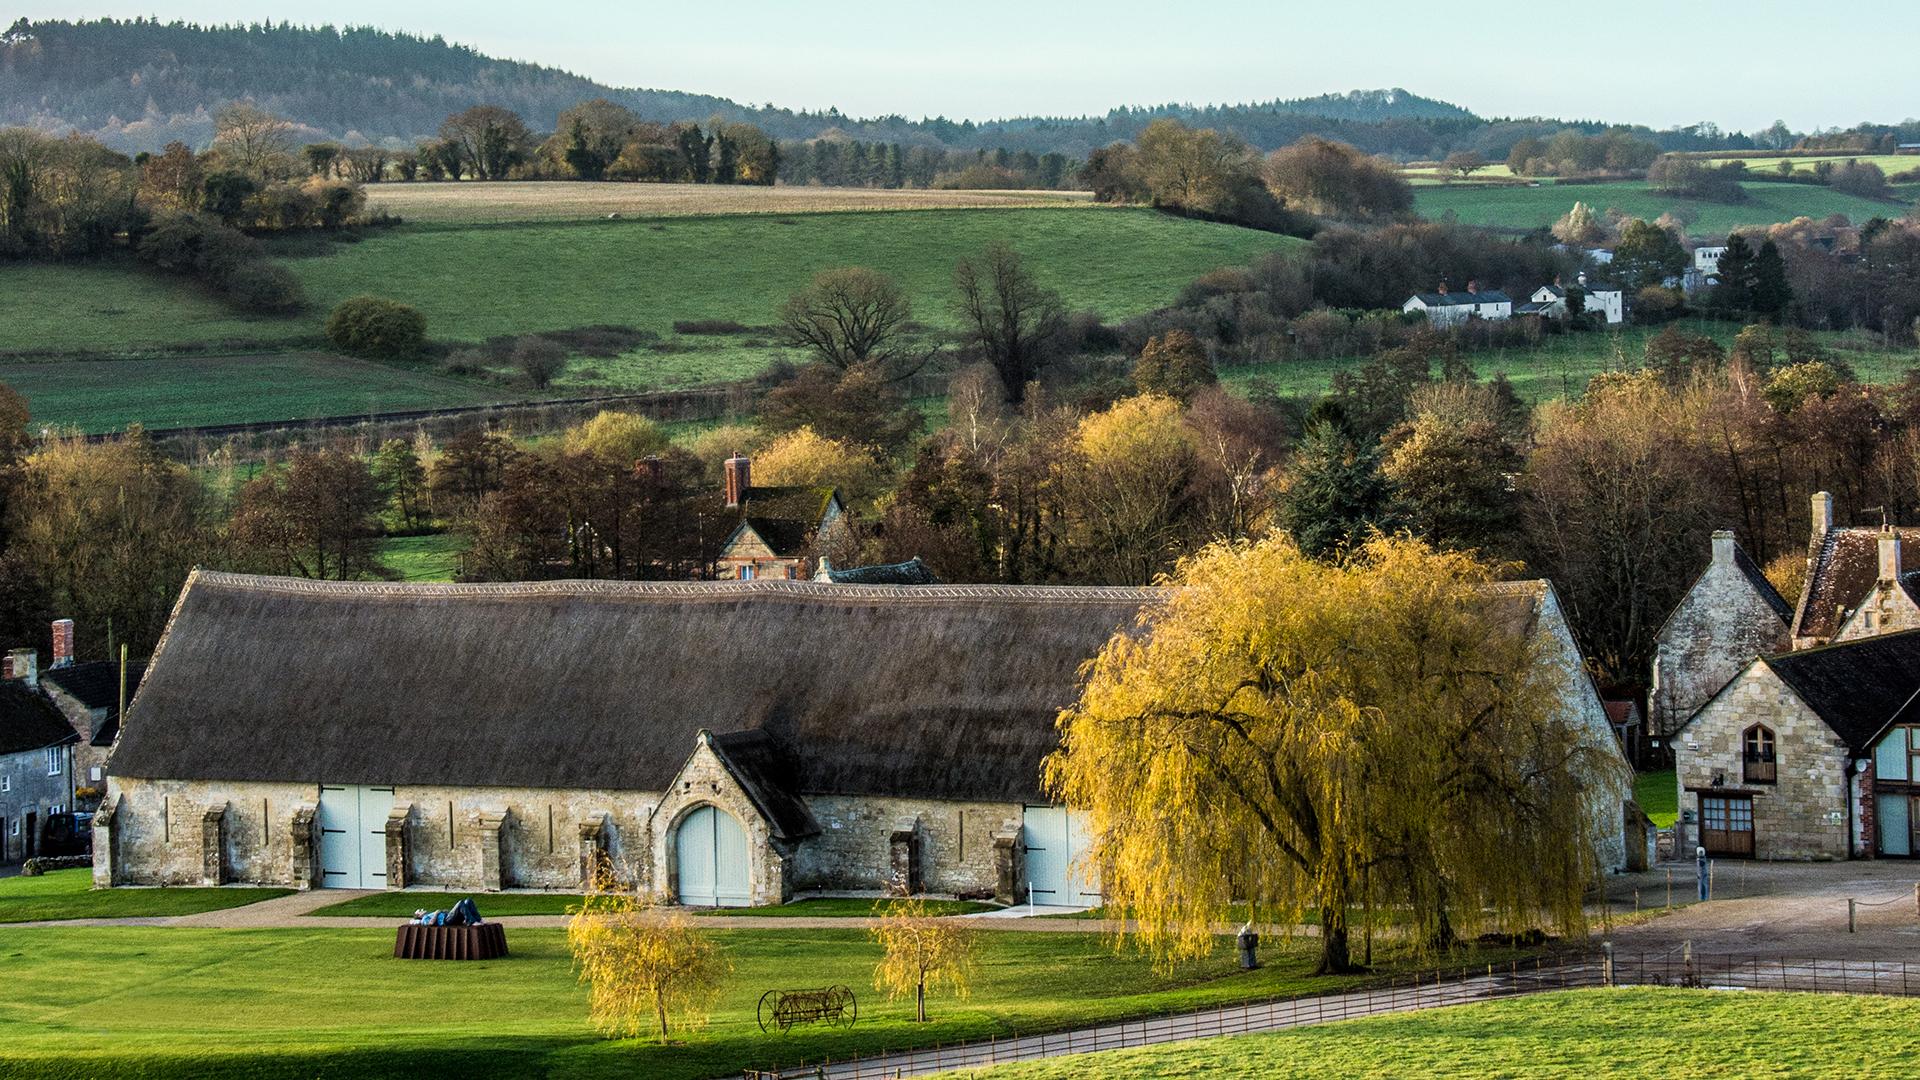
(1849, 914)
(1702, 871)
(1606, 963)
(1636, 901)
(1669, 886)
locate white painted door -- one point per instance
(1055, 839)
(710, 849)
(353, 836)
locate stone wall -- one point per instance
(853, 850)
(1719, 627)
(30, 791)
(1804, 815)
(158, 830)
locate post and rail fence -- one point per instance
(1395, 994)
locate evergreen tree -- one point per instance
(1772, 296)
(1735, 293)
(1336, 493)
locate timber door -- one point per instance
(1055, 839)
(1726, 824)
(710, 855)
(353, 836)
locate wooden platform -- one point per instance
(487, 941)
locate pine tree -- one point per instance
(1336, 493)
(1772, 295)
(1735, 293)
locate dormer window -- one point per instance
(1757, 762)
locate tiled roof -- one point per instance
(28, 721)
(1856, 686)
(1846, 565)
(1462, 299)
(911, 572)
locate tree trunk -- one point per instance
(1335, 958)
(660, 1010)
(920, 1002)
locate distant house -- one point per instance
(1856, 585)
(1598, 298)
(88, 695)
(783, 531)
(1907, 148)
(1707, 259)
(36, 760)
(1444, 308)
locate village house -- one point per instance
(36, 760)
(1597, 298)
(725, 743)
(1855, 583)
(89, 695)
(1445, 308)
(782, 532)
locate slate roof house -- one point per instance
(723, 743)
(783, 531)
(1445, 308)
(36, 761)
(88, 694)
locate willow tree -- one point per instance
(1306, 736)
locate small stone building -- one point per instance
(1855, 584)
(88, 694)
(36, 762)
(783, 532)
(1730, 615)
(1808, 755)
(720, 743)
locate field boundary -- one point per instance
(1580, 970)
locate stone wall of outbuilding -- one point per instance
(1717, 629)
(855, 848)
(1804, 813)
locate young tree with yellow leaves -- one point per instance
(922, 950)
(1300, 735)
(643, 965)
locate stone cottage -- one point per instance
(1808, 755)
(1730, 615)
(36, 761)
(721, 743)
(783, 532)
(1855, 585)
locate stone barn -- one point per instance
(725, 743)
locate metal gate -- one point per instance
(353, 836)
(1726, 824)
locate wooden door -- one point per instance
(1726, 824)
(710, 855)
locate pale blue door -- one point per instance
(710, 849)
(375, 804)
(1055, 839)
(339, 824)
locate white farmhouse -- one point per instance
(1707, 259)
(1445, 308)
(1601, 298)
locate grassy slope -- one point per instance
(68, 894)
(423, 558)
(1530, 207)
(115, 307)
(301, 1003)
(104, 395)
(1592, 1033)
(1558, 366)
(1658, 796)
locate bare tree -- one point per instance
(850, 317)
(253, 139)
(490, 140)
(1011, 321)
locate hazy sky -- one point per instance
(1661, 62)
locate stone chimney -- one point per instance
(739, 479)
(1723, 547)
(1582, 279)
(24, 665)
(1473, 288)
(62, 643)
(1822, 513)
(1889, 556)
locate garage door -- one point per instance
(710, 849)
(353, 836)
(1055, 838)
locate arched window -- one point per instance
(1757, 762)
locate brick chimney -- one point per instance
(1443, 288)
(1473, 288)
(24, 665)
(739, 479)
(62, 643)
(1889, 556)
(1822, 513)
(1723, 547)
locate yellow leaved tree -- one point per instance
(922, 950)
(1310, 737)
(644, 966)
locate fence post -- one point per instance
(1850, 903)
(1670, 889)
(1606, 962)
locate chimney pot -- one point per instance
(62, 643)
(1723, 547)
(1822, 513)
(739, 479)
(1889, 556)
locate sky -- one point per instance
(1738, 64)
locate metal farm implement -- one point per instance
(830, 1005)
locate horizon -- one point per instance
(1069, 65)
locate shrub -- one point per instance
(540, 360)
(375, 327)
(709, 326)
(264, 288)
(195, 244)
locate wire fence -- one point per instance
(1406, 993)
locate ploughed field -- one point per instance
(1516, 207)
(571, 200)
(172, 1002)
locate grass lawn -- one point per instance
(164, 1003)
(423, 558)
(402, 905)
(1585, 1033)
(185, 391)
(114, 307)
(1538, 207)
(1557, 367)
(1658, 794)
(69, 894)
(842, 907)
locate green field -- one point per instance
(1538, 207)
(1588, 1033)
(160, 1003)
(423, 558)
(184, 391)
(1888, 163)
(403, 904)
(69, 894)
(1659, 796)
(1557, 367)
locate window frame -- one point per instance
(1759, 746)
(54, 766)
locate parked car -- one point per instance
(66, 834)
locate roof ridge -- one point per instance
(697, 590)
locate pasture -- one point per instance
(1887, 163)
(481, 203)
(1582, 1034)
(185, 391)
(1507, 207)
(177, 1002)
(69, 894)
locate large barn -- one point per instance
(722, 743)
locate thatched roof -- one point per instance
(933, 691)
